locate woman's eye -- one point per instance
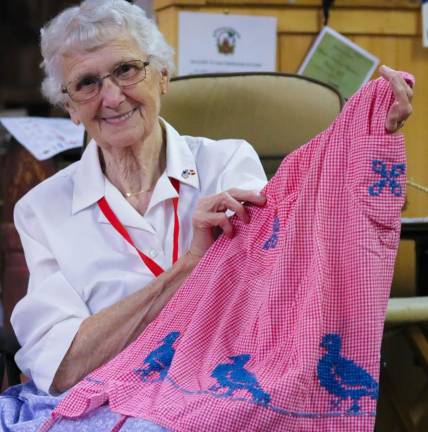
(125, 70)
(85, 83)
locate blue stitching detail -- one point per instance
(93, 380)
(272, 241)
(388, 178)
(339, 376)
(343, 378)
(269, 406)
(233, 376)
(159, 360)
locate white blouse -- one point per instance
(78, 262)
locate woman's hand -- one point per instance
(402, 107)
(209, 218)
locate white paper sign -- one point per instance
(44, 137)
(425, 23)
(209, 43)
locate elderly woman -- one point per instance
(109, 239)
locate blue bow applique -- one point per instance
(387, 178)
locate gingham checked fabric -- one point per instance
(279, 329)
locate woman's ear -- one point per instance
(73, 113)
(164, 81)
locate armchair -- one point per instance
(275, 112)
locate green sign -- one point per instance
(337, 61)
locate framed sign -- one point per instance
(336, 60)
(209, 43)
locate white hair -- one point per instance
(91, 25)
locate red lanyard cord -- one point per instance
(176, 185)
(115, 222)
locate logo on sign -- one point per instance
(226, 39)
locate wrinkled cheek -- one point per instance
(141, 112)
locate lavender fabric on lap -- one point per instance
(279, 328)
(24, 408)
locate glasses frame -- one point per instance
(100, 80)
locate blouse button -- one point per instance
(153, 253)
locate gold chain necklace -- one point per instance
(131, 194)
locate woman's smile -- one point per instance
(119, 119)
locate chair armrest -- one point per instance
(407, 310)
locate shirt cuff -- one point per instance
(41, 361)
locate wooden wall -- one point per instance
(20, 74)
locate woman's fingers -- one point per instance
(236, 199)
(392, 122)
(231, 200)
(249, 196)
(210, 216)
(208, 220)
(222, 221)
(402, 108)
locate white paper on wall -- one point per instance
(210, 43)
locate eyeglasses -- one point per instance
(123, 75)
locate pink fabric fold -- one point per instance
(279, 329)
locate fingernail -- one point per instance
(387, 68)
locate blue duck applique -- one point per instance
(160, 359)
(342, 377)
(272, 241)
(233, 376)
(387, 178)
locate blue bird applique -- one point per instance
(233, 376)
(342, 377)
(160, 359)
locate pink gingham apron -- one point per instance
(278, 329)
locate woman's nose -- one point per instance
(111, 94)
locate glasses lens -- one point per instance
(84, 88)
(129, 73)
